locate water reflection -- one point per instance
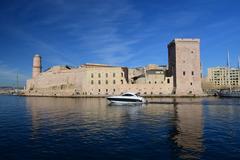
(65, 114)
(187, 134)
(65, 128)
(146, 127)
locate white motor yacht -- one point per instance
(127, 97)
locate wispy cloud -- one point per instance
(105, 38)
(52, 54)
(99, 33)
(96, 31)
(114, 32)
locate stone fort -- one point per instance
(182, 76)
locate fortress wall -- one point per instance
(104, 74)
(132, 72)
(96, 82)
(143, 89)
(92, 81)
(184, 65)
(191, 50)
(181, 77)
(64, 79)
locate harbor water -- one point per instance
(90, 128)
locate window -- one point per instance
(106, 90)
(99, 90)
(149, 82)
(127, 95)
(155, 82)
(91, 75)
(191, 83)
(121, 81)
(114, 74)
(106, 81)
(184, 73)
(91, 81)
(99, 75)
(113, 90)
(168, 80)
(192, 73)
(99, 82)
(114, 81)
(106, 74)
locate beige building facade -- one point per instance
(97, 80)
(103, 80)
(223, 77)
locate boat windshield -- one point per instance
(127, 94)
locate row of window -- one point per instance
(168, 81)
(220, 79)
(234, 81)
(106, 82)
(107, 92)
(224, 76)
(219, 84)
(154, 82)
(226, 70)
(223, 81)
(106, 75)
(114, 82)
(184, 73)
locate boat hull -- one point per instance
(125, 100)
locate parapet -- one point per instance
(184, 40)
(187, 40)
(96, 65)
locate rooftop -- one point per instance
(184, 40)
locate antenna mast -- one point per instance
(17, 85)
(228, 60)
(238, 62)
(229, 69)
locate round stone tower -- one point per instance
(37, 65)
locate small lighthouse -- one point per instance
(37, 65)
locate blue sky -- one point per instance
(127, 32)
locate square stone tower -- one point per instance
(184, 66)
